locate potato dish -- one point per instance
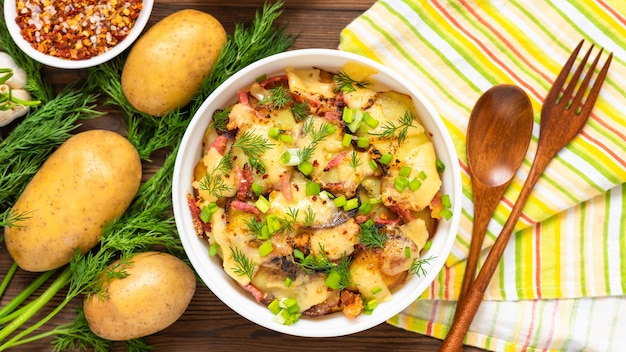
(318, 190)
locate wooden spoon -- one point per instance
(498, 135)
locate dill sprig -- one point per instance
(245, 266)
(253, 146)
(279, 97)
(220, 119)
(324, 130)
(355, 161)
(390, 128)
(371, 236)
(213, 182)
(300, 111)
(310, 264)
(347, 84)
(417, 266)
(32, 141)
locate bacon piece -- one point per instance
(286, 186)
(332, 115)
(245, 181)
(336, 160)
(256, 293)
(243, 97)
(199, 226)
(352, 304)
(274, 79)
(245, 207)
(219, 144)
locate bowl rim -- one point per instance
(198, 257)
(53, 61)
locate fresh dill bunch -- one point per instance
(346, 84)
(417, 266)
(77, 335)
(371, 236)
(245, 266)
(390, 128)
(31, 142)
(247, 45)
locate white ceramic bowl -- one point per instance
(53, 61)
(210, 268)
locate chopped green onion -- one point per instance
(205, 214)
(422, 175)
(290, 304)
(400, 183)
(428, 245)
(290, 157)
(407, 252)
(285, 138)
(288, 281)
(356, 123)
(415, 184)
(298, 254)
(441, 167)
(445, 200)
(333, 279)
(351, 204)
(262, 204)
(348, 115)
(370, 120)
(312, 189)
(446, 214)
(213, 249)
(375, 201)
(274, 132)
(340, 201)
(347, 140)
(261, 78)
(274, 306)
(376, 290)
(266, 248)
(365, 208)
(405, 171)
(372, 164)
(305, 167)
(363, 142)
(257, 188)
(265, 232)
(386, 158)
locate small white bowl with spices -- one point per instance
(287, 282)
(75, 35)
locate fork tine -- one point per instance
(595, 89)
(557, 85)
(567, 94)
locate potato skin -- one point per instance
(88, 181)
(156, 292)
(167, 64)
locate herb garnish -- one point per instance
(417, 266)
(279, 97)
(310, 264)
(253, 146)
(371, 236)
(390, 128)
(213, 182)
(300, 111)
(324, 130)
(346, 84)
(245, 266)
(355, 161)
(220, 119)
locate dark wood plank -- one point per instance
(208, 324)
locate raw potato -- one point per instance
(155, 293)
(167, 65)
(88, 181)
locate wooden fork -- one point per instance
(563, 116)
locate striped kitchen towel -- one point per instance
(571, 238)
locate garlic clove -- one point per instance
(17, 110)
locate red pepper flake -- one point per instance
(76, 30)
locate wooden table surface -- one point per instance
(208, 324)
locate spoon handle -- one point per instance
(469, 307)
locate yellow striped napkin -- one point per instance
(570, 244)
